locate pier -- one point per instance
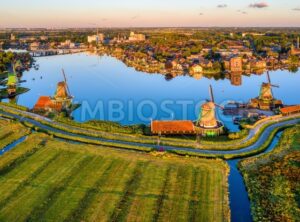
(51, 52)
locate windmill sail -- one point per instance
(212, 99)
(68, 90)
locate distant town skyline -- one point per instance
(148, 13)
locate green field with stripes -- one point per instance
(44, 179)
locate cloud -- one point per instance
(259, 5)
(222, 6)
(296, 9)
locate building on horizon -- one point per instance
(96, 38)
(12, 37)
(136, 37)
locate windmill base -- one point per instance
(264, 104)
(216, 131)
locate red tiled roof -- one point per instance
(45, 102)
(172, 127)
(290, 109)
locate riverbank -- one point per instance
(70, 132)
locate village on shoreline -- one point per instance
(174, 53)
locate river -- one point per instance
(109, 90)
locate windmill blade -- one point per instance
(64, 75)
(276, 86)
(268, 76)
(63, 71)
(212, 99)
(221, 107)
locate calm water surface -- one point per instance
(109, 90)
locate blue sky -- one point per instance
(130, 13)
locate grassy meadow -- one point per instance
(273, 180)
(44, 179)
(11, 131)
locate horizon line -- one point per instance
(148, 27)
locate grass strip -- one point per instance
(84, 203)
(38, 212)
(122, 208)
(162, 196)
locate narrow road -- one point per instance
(284, 121)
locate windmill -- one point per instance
(12, 82)
(266, 91)
(207, 117)
(63, 91)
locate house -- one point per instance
(286, 111)
(196, 69)
(43, 38)
(176, 66)
(34, 46)
(236, 64)
(294, 51)
(177, 127)
(258, 64)
(66, 43)
(226, 64)
(205, 63)
(231, 44)
(45, 103)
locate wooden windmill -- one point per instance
(12, 82)
(207, 117)
(62, 91)
(266, 92)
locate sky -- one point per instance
(148, 13)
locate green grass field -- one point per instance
(43, 179)
(11, 131)
(273, 180)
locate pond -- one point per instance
(109, 90)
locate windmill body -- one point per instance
(266, 92)
(208, 124)
(208, 116)
(12, 82)
(62, 95)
